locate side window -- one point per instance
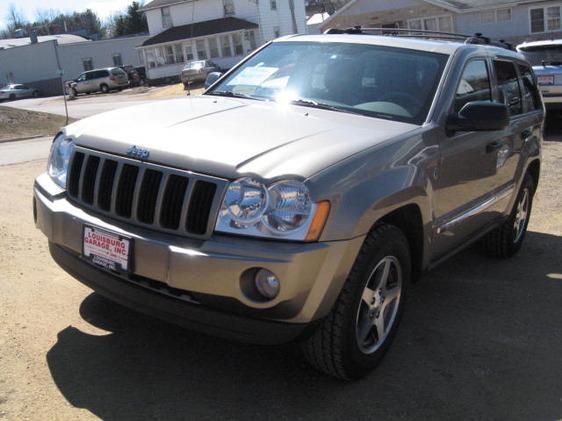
(90, 75)
(509, 86)
(531, 95)
(474, 84)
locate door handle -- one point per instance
(494, 146)
(525, 134)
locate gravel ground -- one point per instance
(481, 339)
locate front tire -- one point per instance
(354, 337)
(506, 240)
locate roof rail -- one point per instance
(477, 38)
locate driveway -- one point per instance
(88, 105)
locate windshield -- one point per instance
(390, 83)
(547, 53)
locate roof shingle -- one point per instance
(200, 29)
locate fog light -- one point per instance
(267, 284)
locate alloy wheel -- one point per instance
(379, 305)
(521, 215)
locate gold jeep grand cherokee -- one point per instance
(302, 194)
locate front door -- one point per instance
(467, 177)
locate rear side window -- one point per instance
(531, 95)
(509, 86)
(117, 72)
(474, 84)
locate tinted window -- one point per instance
(90, 75)
(376, 81)
(474, 84)
(531, 95)
(509, 86)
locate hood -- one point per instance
(228, 137)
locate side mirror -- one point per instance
(479, 116)
(212, 78)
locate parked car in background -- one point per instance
(134, 76)
(546, 58)
(197, 71)
(17, 91)
(100, 80)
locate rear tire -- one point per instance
(345, 345)
(506, 240)
(104, 88)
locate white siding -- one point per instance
(200, 11)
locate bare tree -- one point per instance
(14, 18)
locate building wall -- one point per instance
(380, 12)
(101, 53)
(281, 18)
(517, 30)
(199, 11)
(34, 64)
(376, 13)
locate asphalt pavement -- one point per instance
(84, 106)
(24, 150)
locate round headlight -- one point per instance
(290, 206)
(246, 201)
(61, 151)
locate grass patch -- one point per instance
(21, 123)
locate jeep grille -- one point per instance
(154, 196)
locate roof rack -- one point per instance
(477, 38)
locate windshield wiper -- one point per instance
(230, 94)
(315, 104)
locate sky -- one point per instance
(104, 8)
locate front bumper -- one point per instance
(197, 274)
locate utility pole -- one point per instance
(61, 73)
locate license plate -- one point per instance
(107, 250)
(546, 80)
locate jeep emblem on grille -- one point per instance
(136, 152)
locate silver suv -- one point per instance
(100, 80)
(304, 192)
(546, 58)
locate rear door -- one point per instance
(467, 175)
(517, 87)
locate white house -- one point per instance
(221, 30)
(513, 21)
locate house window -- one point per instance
(87, 63)
(432, 23)
(276, 32)
(553, 18)
(545, 19)
(225, 46)
(169, 54)
(237, 41)
(117, 60)
(503, 15)
(488, 16)
(213, 47)
(201, 49)
(178, 50)
(151, 59)
(166, 17)
(189, 52)
(273, 4)
(229, 8)
(252, 39)
(493, 16)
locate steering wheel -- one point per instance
(408, 101)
